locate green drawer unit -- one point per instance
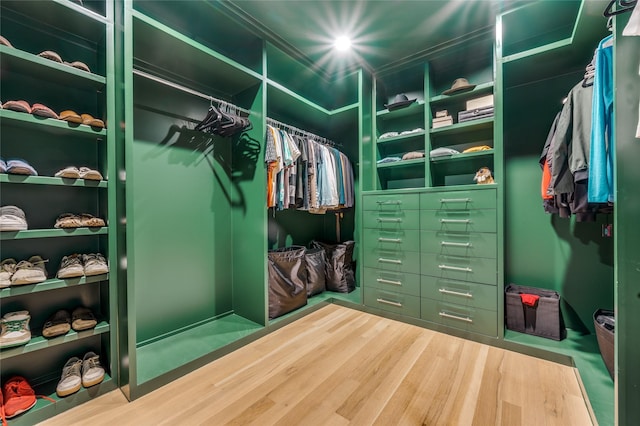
(400, 282)
(391, 202)
(398, 303)
(468, 294)
(475, 320)
(472, 244)
(392, 220)
(392, 260)
(459, 200)
(400, 239)
(474, 269)
(482, 220)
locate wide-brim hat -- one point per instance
(459, 85)
(400, 101)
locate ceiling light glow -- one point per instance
(342, 43)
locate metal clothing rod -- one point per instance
(188, 90)
(315, 137)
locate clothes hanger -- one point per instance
(625, 6)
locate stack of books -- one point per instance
(442, 119)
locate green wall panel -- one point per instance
(182, 229)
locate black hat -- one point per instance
(400, 101)
(460, 85)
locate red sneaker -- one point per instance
(18, 396)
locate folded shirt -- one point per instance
(389, 160)
(477, 148)
(408, 132)
(442, 152)
(388, 135)
(413, 154)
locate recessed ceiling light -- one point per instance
(342, 43)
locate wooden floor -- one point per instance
(339, 366)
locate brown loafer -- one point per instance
(79, 65)
(5, 42)
(82, 319)
(50, 54)
(20, 106)
(43, 111)
(93, 122)
(70, 116)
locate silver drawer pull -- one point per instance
(455, 268)
(383, 281)
(455, 317)
(389, 302)
(455, 221)
(392, 219)
(455, 200)
(455, 293)
(389, 202)
(396, 261)
(390, 240)
(449, 243)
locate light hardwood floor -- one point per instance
(339, 366)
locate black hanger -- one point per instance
(625, 6)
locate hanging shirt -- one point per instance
(339, 175)
(602, 136)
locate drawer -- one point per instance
(402, 304)
(465, 318)
(391, 220)
(471, 244)
(458, 200)
(392, 260)
(458, 221)
(467, 294)
(474, 269)
(399, 239)
(400, 282)
(391, 202)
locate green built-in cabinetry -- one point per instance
(75, 33)
(197, 226)
(431, 236)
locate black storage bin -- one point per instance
(543, 319)
(340, 269)
(605, 324)
(316, 271)
(287, 280)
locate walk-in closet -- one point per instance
(181, 178)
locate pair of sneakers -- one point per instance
(78, 265)
(12, 218)
(14, 329)
(77, 373)
(30, 271)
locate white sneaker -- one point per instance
(7, 269)
(30, 271)
(92, 371)
(94, 264)
(71, 379)
(12, 218)
(15, 329)
(70, 267)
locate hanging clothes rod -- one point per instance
(294, 129)
(210, 98)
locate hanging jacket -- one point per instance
(602, 135)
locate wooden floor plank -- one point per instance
(339, 366)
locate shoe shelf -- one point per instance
(402, 138)
(50, 284)
(51, 233)
(50, 125)
(26, 63)
(413, 109)
(463, 157)
(51, 180)
(479, 90)
(402, 163)
(465, 127)
(173, 54)
(45, 409)
(80, 21)
(38, 342)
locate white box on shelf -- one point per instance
(482, 102)
(441, 122)
(443, 113)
